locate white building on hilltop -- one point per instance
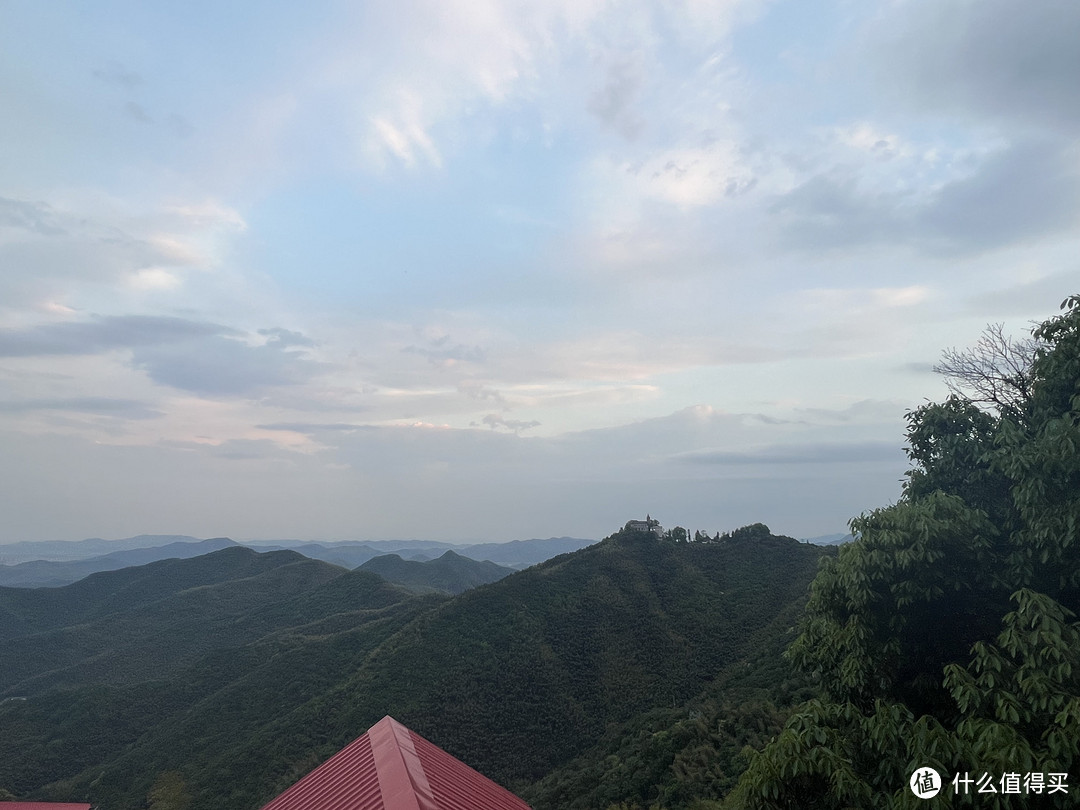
(649, 524)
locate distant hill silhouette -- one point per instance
(523, 553)
(514, 554)
(451, 573)
(60, 550)
(830, 539)
(53, 574)
(57, 563)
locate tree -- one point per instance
(755, 531)
(997, 370)
(946, 635)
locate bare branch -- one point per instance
(996, 371)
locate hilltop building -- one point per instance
(393, 768)
(649, 524)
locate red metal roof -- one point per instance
(393, 768)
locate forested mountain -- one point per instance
(451, 573)
(53, 564)
(513, 554)
(516, 678)
(132, 625)
(279, 622)
(347, 555)
(688, 755)
(131, 590)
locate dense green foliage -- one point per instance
(685, 757)
(946, 636)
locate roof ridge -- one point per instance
(392, 767)
(402, 779)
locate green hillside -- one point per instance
(220, 622)
(26, 611)
(684, 756)
(517, 678)
(166, 622)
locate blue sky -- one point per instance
(487, 270)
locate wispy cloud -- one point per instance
(105, 406)
(533, 265)
(103, 334)
(816, 453)
(117, 74)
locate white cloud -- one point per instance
(861, 301)
(177, 250)
(405, 82)
(867, 138)
(56, 308)
(692, 176)
(407, 141)
(154, 278)
(209, 213)
(85, 249)
(646, 207)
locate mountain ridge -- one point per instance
(451, 573)
(516, 678)
(53, 574)
(58, 563)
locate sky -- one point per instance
(479, 270)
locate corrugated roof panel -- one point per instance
(393, 768)
(456, 786)
(346, 781)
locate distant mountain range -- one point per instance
(61, 550)
(830, 539)
(51, 574)
(53, 564)
(239, 671)
(513, 554)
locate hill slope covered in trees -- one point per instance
(516, 678)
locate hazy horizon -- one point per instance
(473, 271)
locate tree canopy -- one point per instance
(946, 635)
